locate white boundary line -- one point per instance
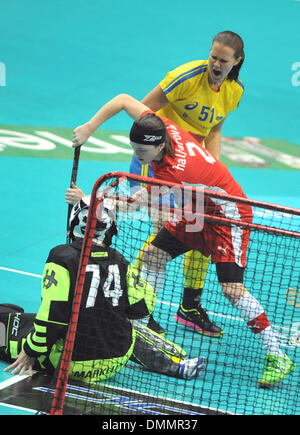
(12, 380)
(20, 271)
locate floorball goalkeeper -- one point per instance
(107, 334)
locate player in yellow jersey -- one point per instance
(197, 96)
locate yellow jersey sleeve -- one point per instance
(183, 81)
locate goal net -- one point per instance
(235, 360)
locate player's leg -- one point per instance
(228, 247)
(157, 354)
(278, 365)
(139, 261)
(191, 313)
(163, 248)
(157, 220)
(194, 271)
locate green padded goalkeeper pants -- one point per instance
(150, 350)
(155, 352)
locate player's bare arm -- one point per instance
(121, 102)
(156, 99)
(213, 140)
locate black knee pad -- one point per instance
(230, 272)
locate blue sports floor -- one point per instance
(65, 59)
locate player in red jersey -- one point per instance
(186, 162)
(176, 157)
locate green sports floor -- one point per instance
(60, 63)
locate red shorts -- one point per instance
(225, 243)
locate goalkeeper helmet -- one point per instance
(106, 226)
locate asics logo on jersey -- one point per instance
(151, 138)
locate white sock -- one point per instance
(270, 342)
(249, 307)
(253, 313)
(144, 321)
(155, 279)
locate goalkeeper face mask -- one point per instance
(106, 226)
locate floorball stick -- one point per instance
(73, 180)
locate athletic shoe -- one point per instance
(276, 370)
(198, 320)
(155, 326)
(191, 368)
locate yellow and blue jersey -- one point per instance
(192, 104)
(138, 169)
